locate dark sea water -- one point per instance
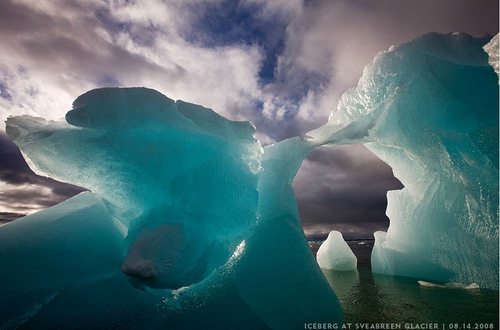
(375, 298)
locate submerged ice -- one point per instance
(191, 223)
(335, 254)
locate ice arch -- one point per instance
(210, 219)
(429, 109)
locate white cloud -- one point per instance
(78, 50)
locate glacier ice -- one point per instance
(192, 224)
(165, 168)
(187, 190)
(335, 254)
(429, 109)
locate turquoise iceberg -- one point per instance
(179, 202)
(429, 109)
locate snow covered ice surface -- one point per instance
(192, 224)
(335, 254)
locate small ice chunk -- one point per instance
(430, 285)
(472, 286)
(335, 254)
(449, 285)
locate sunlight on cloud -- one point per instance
(67, 59)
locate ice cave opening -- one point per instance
(343, 188)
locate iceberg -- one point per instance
(187, 203)
(190, 223)
(159, 174)
(429, 109)
(335, 254)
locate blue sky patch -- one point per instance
(231, 22)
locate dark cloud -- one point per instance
(23, 190)
(6, 217)
(343, 188)
(13, 168)
(361, 230)
(29, 198)
(18, 18)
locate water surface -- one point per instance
(376, 298)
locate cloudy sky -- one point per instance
(281, 64)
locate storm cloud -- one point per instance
(343, 188)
